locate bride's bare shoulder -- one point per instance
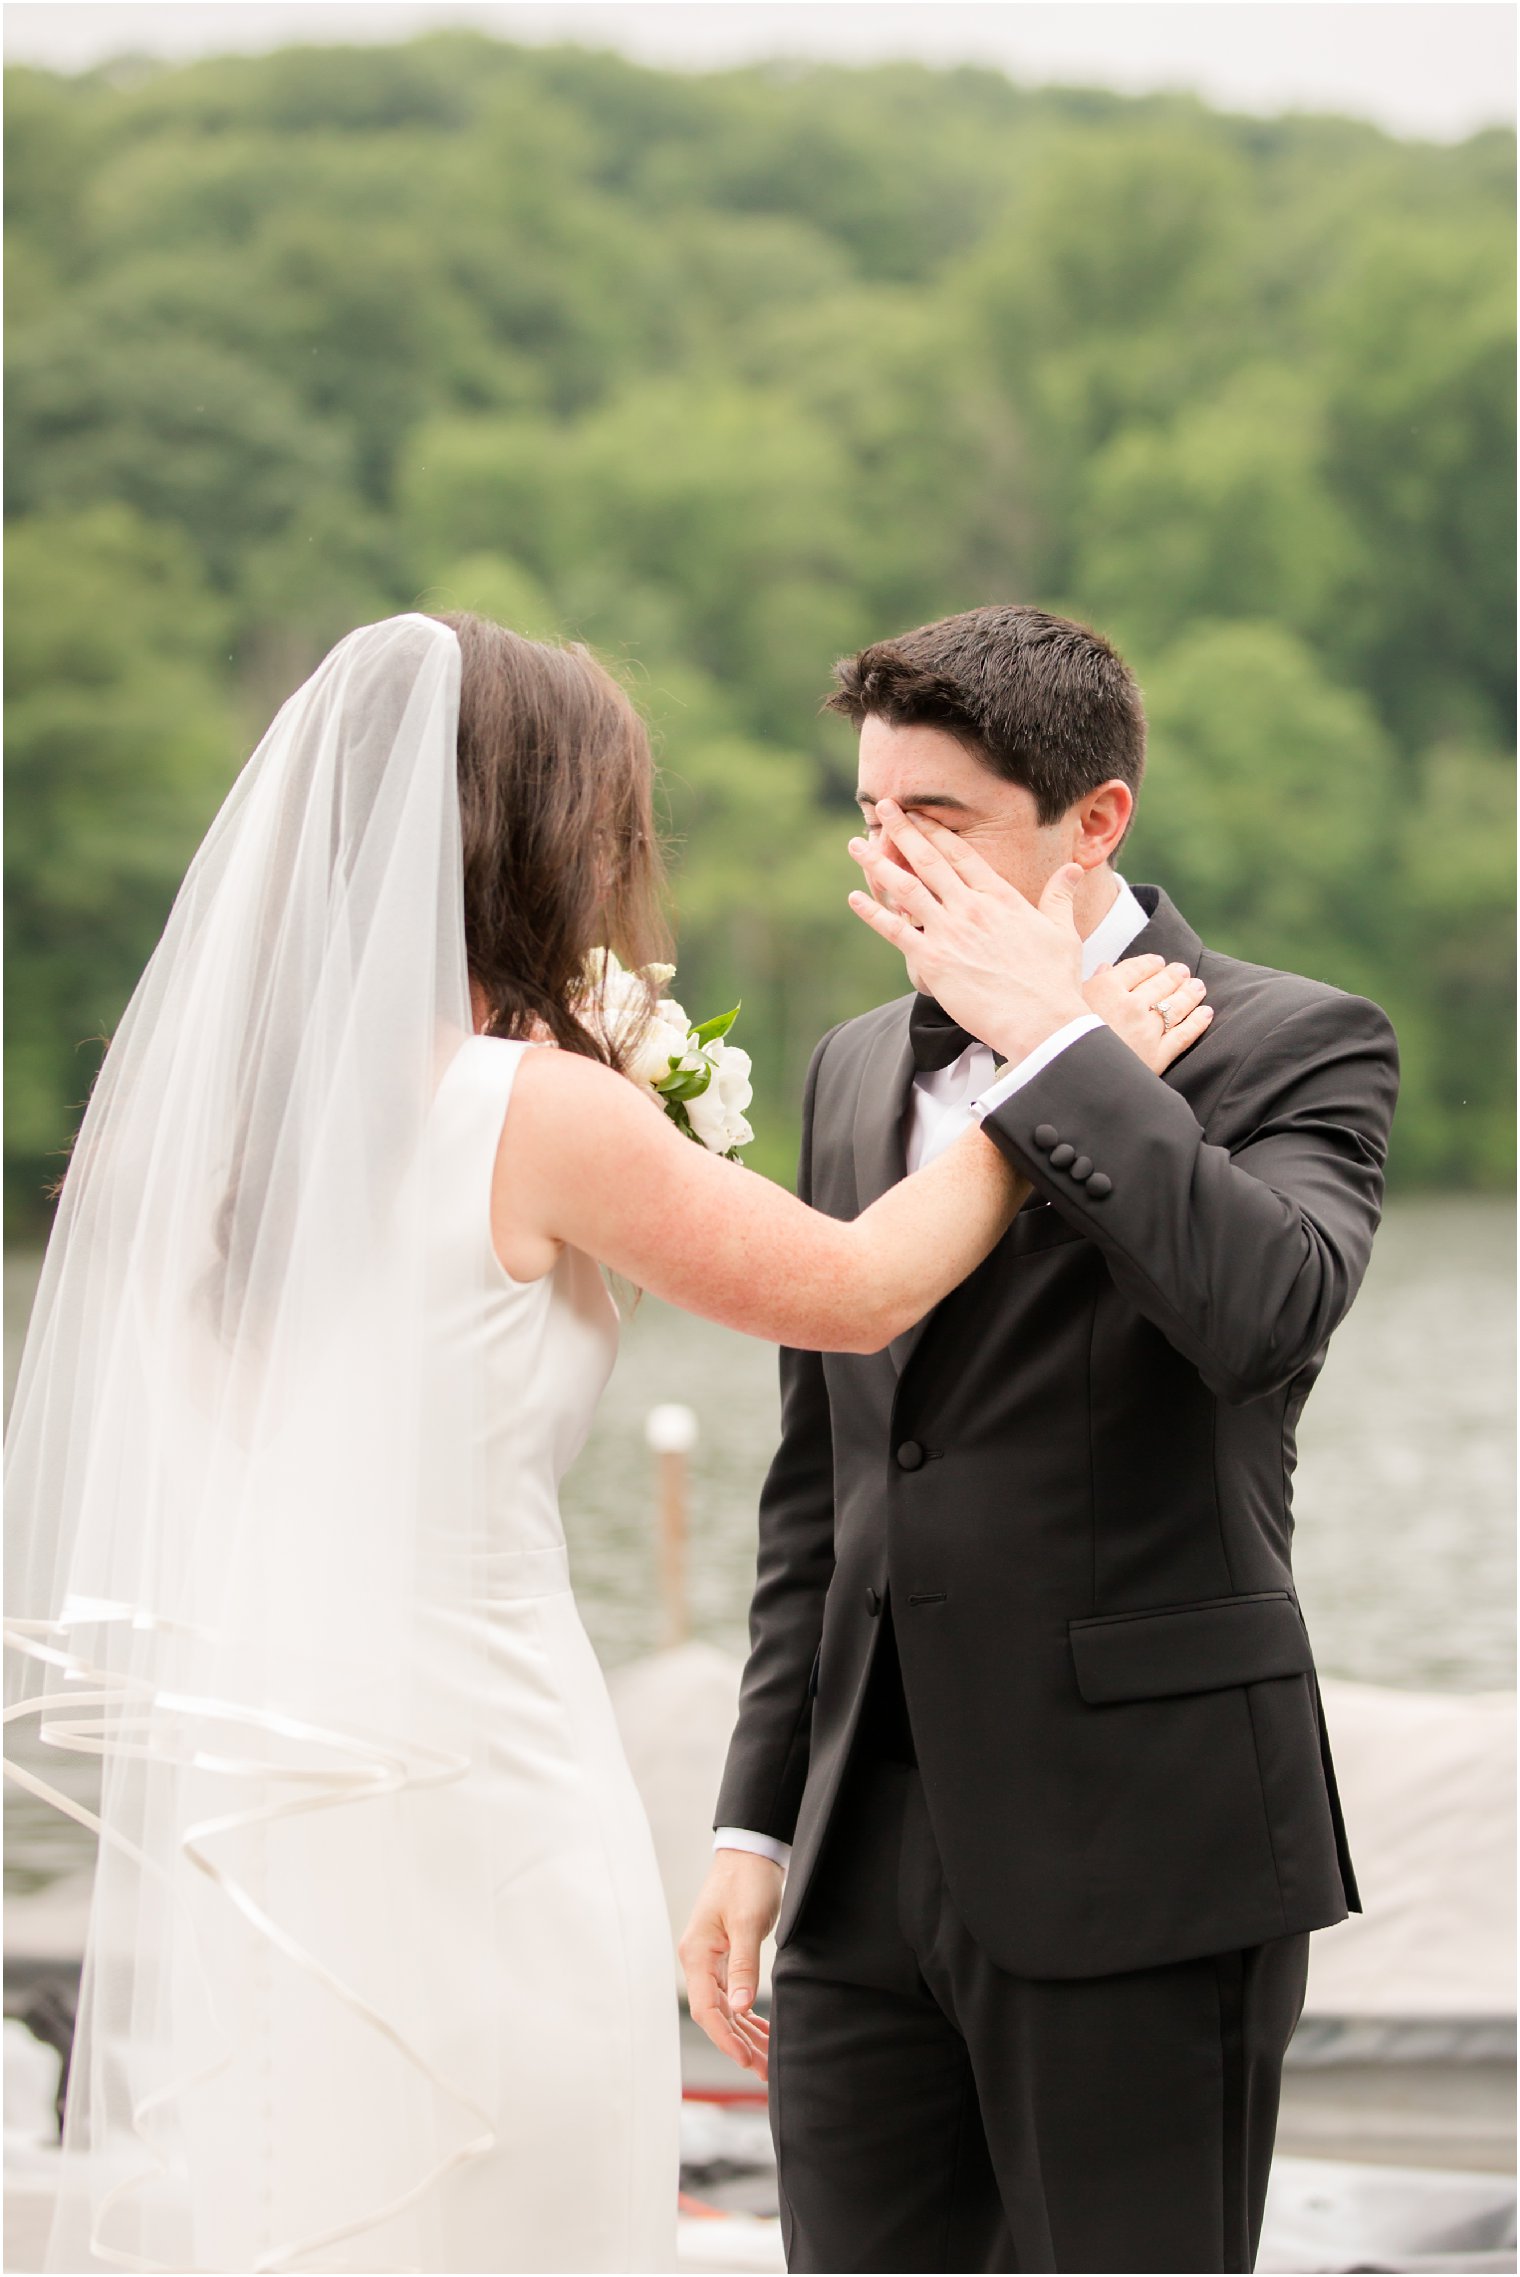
(568, 1104)
(564, 1114)
(549, 1075)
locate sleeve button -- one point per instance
(1045, 1136)
(1099, 1184)
(1061, 1155)
(1082, 1168)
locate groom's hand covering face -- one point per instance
(987, 903)
(930, 774)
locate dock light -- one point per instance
(671, 1433)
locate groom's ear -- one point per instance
(1102, 818)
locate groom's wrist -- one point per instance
(1017, 1073)
(761, 1845)
(1028, 1028)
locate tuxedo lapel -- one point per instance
(885, 1082)
(881, 1108)
(1166, 932)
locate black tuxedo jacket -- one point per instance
(1074, 1480)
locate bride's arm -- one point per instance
(586, 1158)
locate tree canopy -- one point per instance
(727, 374)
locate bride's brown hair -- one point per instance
(556, 804)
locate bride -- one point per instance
(378, 1974)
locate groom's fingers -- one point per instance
(757, 2058)
(707, 2011)
(755, 2033)
(969, 866)
(894, 887)
(886, 922)
(743, 1962)
(891, 885)
(723, 2036)
(708, 2000)
(939, 875)
(1059, 898)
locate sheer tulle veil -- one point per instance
(242, 1512)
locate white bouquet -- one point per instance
(700, 1079)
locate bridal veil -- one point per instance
(242, 1507)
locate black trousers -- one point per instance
(932, 2112)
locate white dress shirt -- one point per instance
(946, 1101)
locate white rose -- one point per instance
(665, 1039)
(610, 991)
(717, 1116)
(618, 1007)
(655, 1044)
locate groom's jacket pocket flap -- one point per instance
(1189, 1648)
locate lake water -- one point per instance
(1405, 1492)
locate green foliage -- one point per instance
(1447, 935)
(1269, 800)
(1421, 446)
(1220, 511)
(118, 737)
(727, 375)
(190, 435)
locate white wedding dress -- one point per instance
(578, 1985)
(378, 1974)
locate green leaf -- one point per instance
(717, 1026)
(680, 1118)
(689, 1085)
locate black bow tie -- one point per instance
(937, 1040)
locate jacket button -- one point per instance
(873, 1603)
(910, 1455)
(1045, 1136)
(1082, 1168)
(1100, 1184)
(1061, 1155)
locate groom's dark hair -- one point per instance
(1040, 700)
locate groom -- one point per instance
(1030, 1726)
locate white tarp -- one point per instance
(1427, 1780)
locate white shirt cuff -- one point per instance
(1026, 1069)
(763, 1845)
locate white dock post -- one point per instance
(671, 1432)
